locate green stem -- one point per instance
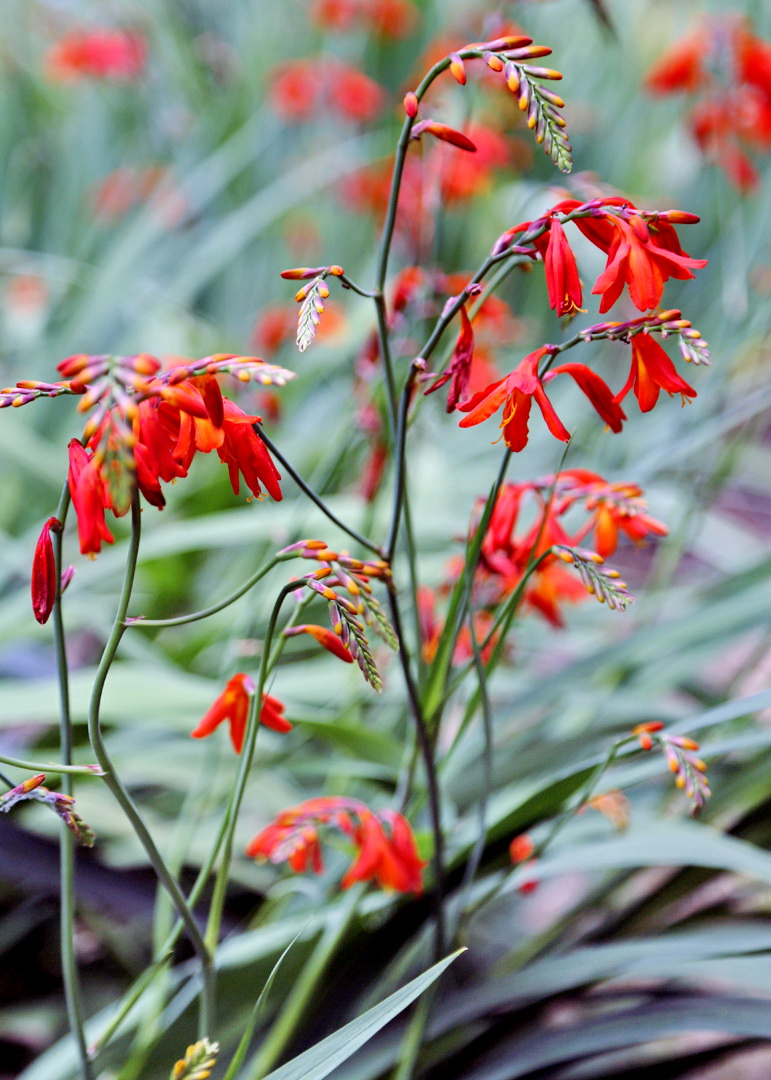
(71, 977)
(432, 780)
(295, 1007)
(51, 766)
(180, 620)
(308, 490)
(122, 796)
(247, 757)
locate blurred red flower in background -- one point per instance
(730, 69)
(97, 54)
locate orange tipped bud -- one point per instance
(680, 217)
(503, 44)
(493, 62)
(335, 270)
(458, 69)
(445, 133)
(411, 104)
(44, 572)
(301, 272)
(324, 637)
(542, 72)
(649, 725)
(646, 742)
(512, 77)
(521, 848)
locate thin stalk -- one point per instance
(432, 781)
(180, 620)
(247, 757)
(72, 989)
(435, 692)
(399, 455)
(487, 761)
(51, 766)
(122, 796)
(308, 490)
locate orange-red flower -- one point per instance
(233, 705)
(97, 54)
(517, 391)
(89, 499)
(644, 260)
(651, 372)
(44, 572)
(562, 279)
(387, 852)
(325, 637)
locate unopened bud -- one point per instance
(458, 69)
(411, 104)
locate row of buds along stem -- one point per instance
(311, 297)
(692, 345)
(339, 571)
(681, 753)
(508, 56)
(603, 583)
(33, 789)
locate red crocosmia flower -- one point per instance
(302, 88)
(562, 279)
(636, 259)
(387, 852)
(89, 499)
(391, 18)
(516, 393)
(651, 372)
(242, 450)
(596, 389)
(681, 67)
(97, 54)
(459, 369)
(44, 572)
(353, 94)
(325, 637)
(233, 705)
(295, 88)
(615, 508)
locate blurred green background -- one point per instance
(154, 213)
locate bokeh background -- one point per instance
(154, 185)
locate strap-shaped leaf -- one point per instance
(321, 1059)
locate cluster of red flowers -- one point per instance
(643, 252)
(389, 18)
(97, 54)
(729, 69)
(302, 89)
(387, 852)
(168, 426)
(611, 508)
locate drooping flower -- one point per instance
(651, 372)
(89, 499)
(325, 637)
(386, 848)
(233, 705)
(517, 391)
(562, 281)
(643, 260)
(44, 572)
